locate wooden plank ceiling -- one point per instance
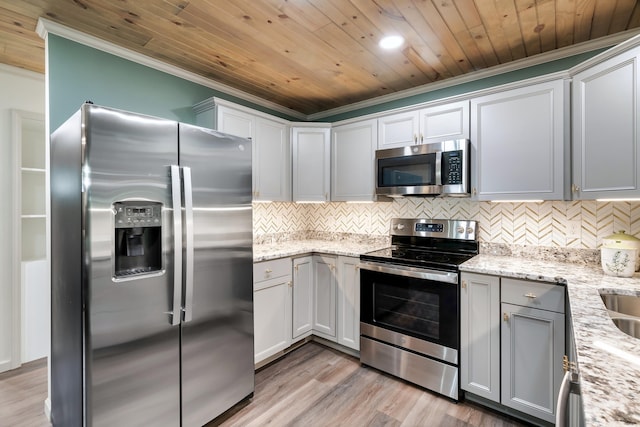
(315, 55)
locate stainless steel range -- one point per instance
(410, 299)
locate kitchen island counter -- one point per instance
(608, 359)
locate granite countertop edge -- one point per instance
(293, 248)
(608, 359)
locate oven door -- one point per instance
(412, 302)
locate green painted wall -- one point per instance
(499, 79)
(78, 73)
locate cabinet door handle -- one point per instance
(530, 295)
(421, 138)
(575, 188)
(290, 283)
(415, 138)
(505, 317)
(464, 284)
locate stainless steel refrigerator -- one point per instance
(151, 272)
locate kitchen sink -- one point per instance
(624, 311)
(628, 325)
(624, 304)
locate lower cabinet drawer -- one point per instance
(271, 269)
(527, 293)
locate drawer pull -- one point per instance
(268, 271)
(530, 295)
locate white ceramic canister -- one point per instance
(620, 254)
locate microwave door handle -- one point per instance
(438, 168)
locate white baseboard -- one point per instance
(47, 408)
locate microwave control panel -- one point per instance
(452, 167)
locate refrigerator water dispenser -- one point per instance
(138, 238)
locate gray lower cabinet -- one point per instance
(480, 335)
(324, 296)
(348, 327)
(512, 342)
(303, 278)
(532, 350)
(271, 307)
(533, 344)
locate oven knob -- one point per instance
(399, 226)
(460, 230)
(470, 230)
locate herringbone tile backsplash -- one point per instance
(579, 224)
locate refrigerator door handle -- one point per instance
(176, 199)
(188, 212)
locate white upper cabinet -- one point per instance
(605, 129)
(352, 161)
(398, 130)
(272, 161)
(431, 124)
(311, 163)
(235, 122)
(271, 148)
(520, 143)
(444, 122)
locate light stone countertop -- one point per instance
(265, 252)
(608, 359)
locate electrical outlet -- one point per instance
(574, 229)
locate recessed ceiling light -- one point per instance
(391, 42)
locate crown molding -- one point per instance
(608, 54)
(519, 64)
(626, 39)
(45, 26)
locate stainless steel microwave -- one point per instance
(440, 168)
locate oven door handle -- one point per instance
(417, 273)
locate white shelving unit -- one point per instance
(30, 264)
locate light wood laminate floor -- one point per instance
(311, 386)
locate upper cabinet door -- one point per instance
(605, 129)
(519, 139)
(272, 161)
(311, 164)
(444, 122)
(398, 130)
(235, 122)
(352, 161)
(271, 148)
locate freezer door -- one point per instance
(133, 357)
(217, 331)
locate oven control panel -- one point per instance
(442, 228)
(429, 227)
